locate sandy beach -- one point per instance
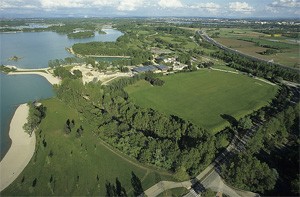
(53, 80)
(21, 150)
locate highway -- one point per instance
(219, 45)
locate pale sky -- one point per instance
(104, 8)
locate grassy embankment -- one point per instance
(181, 191)
(203, 96)
(254, 43)
(66, 165)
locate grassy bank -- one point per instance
(203, 96)
(66, 165)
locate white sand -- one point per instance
(53, 80)
(90, 74)
(21, 150)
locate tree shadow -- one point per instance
(136, 184)
(232, 121)
(115, 190)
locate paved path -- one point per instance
(165, 185)
(235, 72)
(214, 182)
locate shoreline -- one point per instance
(21, 150)
(50, 78)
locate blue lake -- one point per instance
(35, 49)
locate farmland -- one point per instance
(203, 96)
(285, 50)
(67, 165)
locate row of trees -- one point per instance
(258, 168)
(256, 68)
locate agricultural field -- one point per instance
(66, 165)
(283, 50)
(202, 97)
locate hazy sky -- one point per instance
(202, 8)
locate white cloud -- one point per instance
(50, 4)
(241, 7)
(170, 4)
(102, 2)
(10, 4)
(272, 9)
(129, 5)
(211, 7)
(286, 3)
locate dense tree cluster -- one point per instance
(151, 78)
(276, 139)
(248, 173)
(68, 60)
(118, 48)
(174, 30)
(35, 116)
(83, 34)
(184, 58)
(144, 134)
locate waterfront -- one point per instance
(35, 50)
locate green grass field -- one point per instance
(288, 55)
(78, 166)
(203, 96)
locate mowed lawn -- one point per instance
(65, 165)
(203, 96)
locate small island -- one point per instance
(83, 34)
(14, 58)
(102, 32)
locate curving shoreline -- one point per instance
(49, 77)
(21, 150)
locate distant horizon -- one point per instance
(150, 8)
(158, 17)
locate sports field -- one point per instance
(65, 165)
(203, 96)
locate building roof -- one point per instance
(162, 67)
(144, 69)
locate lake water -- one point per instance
(36, 49)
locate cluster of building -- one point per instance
(152, 68)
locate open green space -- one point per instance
(255, 43)
(203, 96)
(65, 165)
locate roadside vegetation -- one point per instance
(269, 162)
